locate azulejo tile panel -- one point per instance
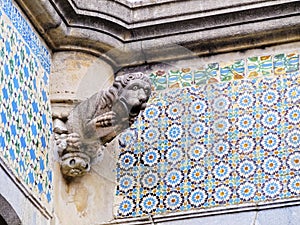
(215, 144)
(25, 119)
(29, 36)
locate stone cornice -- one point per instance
(128, 32)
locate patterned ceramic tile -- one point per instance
(27, 33)
(233, 70)
(200, 76)
(180, 78)
(174, 79)
(25, 108)
(292, 62)
(260, 66)
(214, 145)
(186, 77)
(159, 79)
(251, 67)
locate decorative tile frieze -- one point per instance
(241, 69)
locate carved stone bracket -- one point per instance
(98, 120)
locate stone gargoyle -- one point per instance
(98, 120)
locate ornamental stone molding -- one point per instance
(129, 32)
(96, 121)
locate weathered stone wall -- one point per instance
(75, 77)
(88, 199)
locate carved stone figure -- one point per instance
(98, 120)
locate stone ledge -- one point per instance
(204, 29)
(203, 213)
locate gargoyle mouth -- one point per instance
(133, 110)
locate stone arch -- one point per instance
(8, 215)
(2, 221)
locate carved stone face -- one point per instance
(75, 164)
(135, 96)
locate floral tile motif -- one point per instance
(260, 66)
(286, 63)
(216, 144)
(159, 79)
(25, 117)
(232, 70)
(180, 78)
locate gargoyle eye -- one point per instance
(147, 91)
(135, 87)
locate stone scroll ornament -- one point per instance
(98, 120)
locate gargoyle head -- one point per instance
(133, 94)
(98, 120)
